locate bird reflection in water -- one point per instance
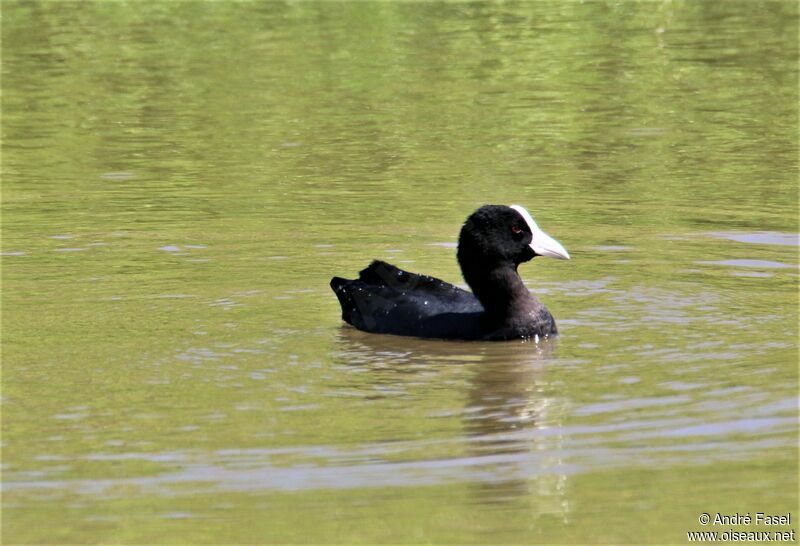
(510, 442)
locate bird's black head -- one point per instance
(497, 234)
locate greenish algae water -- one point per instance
(181, 180)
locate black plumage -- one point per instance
(494, 240)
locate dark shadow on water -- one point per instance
(510, 421)
(364, 348)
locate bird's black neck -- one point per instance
(498, 287)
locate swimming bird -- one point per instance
(493, 241)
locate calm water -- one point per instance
(181, 180)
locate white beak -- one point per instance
(541, 243)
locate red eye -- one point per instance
(516, 229)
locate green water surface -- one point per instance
(180, 180)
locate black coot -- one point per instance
(494, 240)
